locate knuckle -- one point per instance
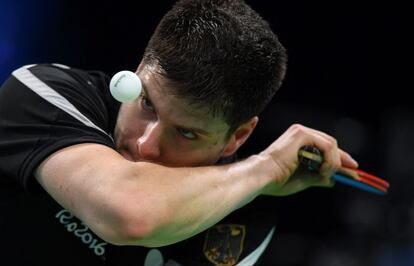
(297, 129)
(296, 126)
(334, 142)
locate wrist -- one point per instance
(264, 171)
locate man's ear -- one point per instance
(140, 67)
(240, 136)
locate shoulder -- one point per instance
(61, 78)
(79, 93)
(45, 108)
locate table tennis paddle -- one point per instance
(312, 159)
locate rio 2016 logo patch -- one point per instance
(224, 244)
(79, 229)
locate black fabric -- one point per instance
(31, 128)
(38, 231)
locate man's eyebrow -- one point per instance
(198, 130)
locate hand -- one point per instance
(283, 164)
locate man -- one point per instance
(82, 178)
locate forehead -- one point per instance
(175, 110)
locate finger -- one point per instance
(331, 154)
(311, 180)
(347, 160)
(349, 172)
(325, 182)
(320, 133)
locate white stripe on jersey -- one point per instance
(61, 66)
(43, 90)
(252, 258)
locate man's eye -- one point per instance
(186, 133)
(147, 104)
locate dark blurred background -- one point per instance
(348, 64)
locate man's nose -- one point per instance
(148, 144)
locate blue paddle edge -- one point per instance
(354, 183)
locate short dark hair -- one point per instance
(220, 55)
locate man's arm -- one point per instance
(129, 203)
(142, 203)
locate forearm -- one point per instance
(186, 201)
(148, 204)
(151, 205)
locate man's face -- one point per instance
(158, 127)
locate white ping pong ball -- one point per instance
(125, 86)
